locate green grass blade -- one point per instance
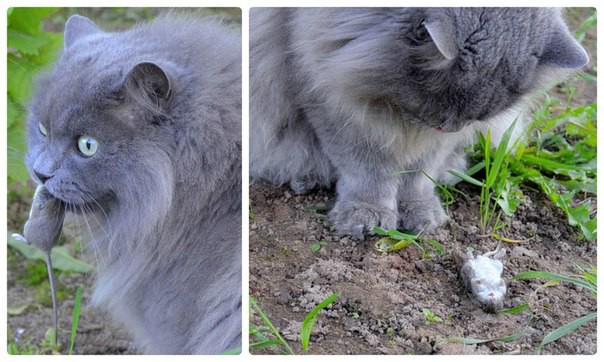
(566, 329)
(75, 319)
(268, 323)
(467, 178)
(552, 276)
(499, 155)
(511, 338)
(232, 352)
(310, 320)
(472, 170)
(388, 244)
(438, 246)
(261, 344)
(515, 310)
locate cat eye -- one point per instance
(87, 145)
(42, 129)
(421, 33)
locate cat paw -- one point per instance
(302, 185)
(418, 215)
(359, 218)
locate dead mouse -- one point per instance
(42, 230)
(481, 276)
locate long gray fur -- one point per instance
(354, 95)
(161, 198)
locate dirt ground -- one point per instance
(382, 296)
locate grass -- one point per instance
(393, 240)
(431, 318)
(587, 279)
(259, 340)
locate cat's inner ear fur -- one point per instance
(563, 51)
(77, 27)
(443, 36)
(149, 81)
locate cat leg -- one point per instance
(419, 207)
(366, 181)
(363, 203)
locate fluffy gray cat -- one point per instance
(353, 95)
(139, 133)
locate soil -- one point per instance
(382, 296)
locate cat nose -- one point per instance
(42, 177)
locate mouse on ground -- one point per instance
(481, 276)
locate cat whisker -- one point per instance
(84, 212)
(88, 198)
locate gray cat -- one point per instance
(354, 95)
(139, 133)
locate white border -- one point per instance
(245, 6)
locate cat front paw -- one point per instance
(302, 185)
(359, 218)
(418, 215)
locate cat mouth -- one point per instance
(79, 205)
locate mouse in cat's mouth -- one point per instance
(42, 230)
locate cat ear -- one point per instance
(150, 80)
(443, 36)
(77, 27)
(563, 51)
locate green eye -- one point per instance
(87, 145)
(42, 129)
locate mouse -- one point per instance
(42, 230)
(481, 275)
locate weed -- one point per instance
(431, 318)
(509, 338)
(315, 247)
(497, 189)
(394, 240)
(252, 214)
(257, 333)
(311, 319)
(587, 279)
(75, 319)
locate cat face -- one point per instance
(97, 138)
(439, 67)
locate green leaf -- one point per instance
(311, 319)
(500, 152)
(61, 260)
(16, 169)
(566, 329)
(511, 338)
(266, 343)
(19, 76)
(26, 43)
(75, 319)
(552, 276)
(388, 244)
(14, 113)
(437, 246)
(516, 310)
(268, 323)
(466, 178)
(28, 20)
(232, 352)
(17, 309)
